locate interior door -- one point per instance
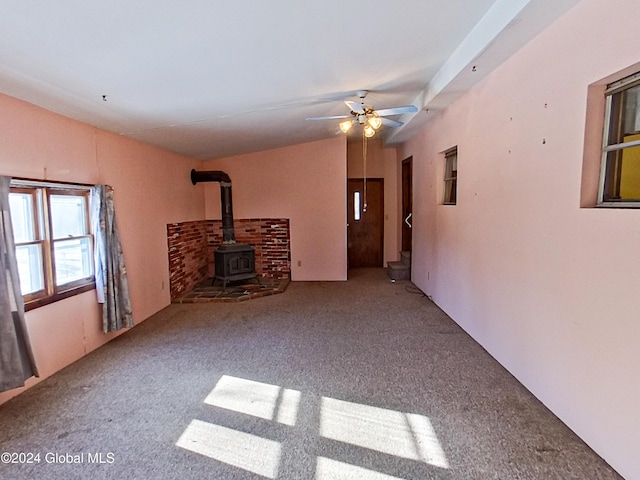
(365, 232)
(407, 203)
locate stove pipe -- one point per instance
(228, 232)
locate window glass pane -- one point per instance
(622, 175)
(450, 175)
(631, 113)
(624, 115)
(68, 215)
(72, 259)
(451, 165)
(630, 172)
(450, 191)
(21, 205)
(357, 208)
(29, 259)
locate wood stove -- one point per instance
(234, 262)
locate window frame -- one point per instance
(450, 180)
(36, 222)
(43, 232)
(613, 114)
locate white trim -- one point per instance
(603, 156)
(620, 146)
(623, 84)
(16, 182)
(619, 204)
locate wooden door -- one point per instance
(407, 203)
(365, 232)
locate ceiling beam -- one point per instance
(506, 27)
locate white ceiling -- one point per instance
(214, 78)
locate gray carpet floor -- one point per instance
(364, 379)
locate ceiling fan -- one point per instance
(365, 115)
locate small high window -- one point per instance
(54, 246)
(451, 176)
(357, 207)
(620, 178)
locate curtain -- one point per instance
(112, 287)
(16, 357)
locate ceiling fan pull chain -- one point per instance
(364, 161)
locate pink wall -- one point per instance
(381, 163)
(526, 271)
(305, 183)
(152, 188)
(548, 288)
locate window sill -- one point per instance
(618, 205)
(41, 302)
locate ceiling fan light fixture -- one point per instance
(345, 126)
(375, 121)
(365, 115)
(369, 131)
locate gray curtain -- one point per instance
(16, 357)
(111, 275)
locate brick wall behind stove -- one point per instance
(191, 246)
(188, 256)
(268, 236)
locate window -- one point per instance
(450, 176)
(54, 246)
(357, 207)
(620, 176)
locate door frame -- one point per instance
(406, 207)
(380, 181)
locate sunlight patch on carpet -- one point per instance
(328, 469)
(243, 450)
(257, 399)
(387, 431)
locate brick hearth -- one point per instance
(191, 246)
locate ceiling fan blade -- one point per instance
(397, 110)
(391, 123)
(354, 106)
(332, 117)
